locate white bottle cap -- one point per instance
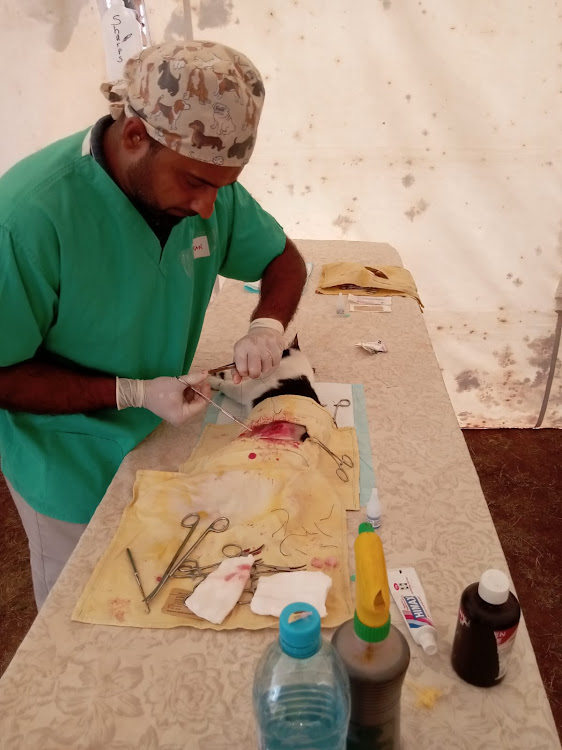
(374, 511)
(428, 641)
(493, 586)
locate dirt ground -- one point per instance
(521, 477)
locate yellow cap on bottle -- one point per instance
(372, 607)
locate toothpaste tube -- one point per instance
(409, 597)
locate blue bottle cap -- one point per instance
(299, 630)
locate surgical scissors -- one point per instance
(342, 402)
(218, 525)
(342, 461)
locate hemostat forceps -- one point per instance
(219, 525)
(343, 402)
(189, 522)
(342, 461)
(192, 569)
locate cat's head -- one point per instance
(294, 363)
(294, 375)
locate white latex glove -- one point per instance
(168, 398)
(260, 350)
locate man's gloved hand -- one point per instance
(260, 350)
(168, 398)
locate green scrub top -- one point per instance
(84, 277)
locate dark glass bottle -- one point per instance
(487, 624)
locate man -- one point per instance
(110, 244)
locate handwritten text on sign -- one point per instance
(122, 38)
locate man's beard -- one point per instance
(140, 196)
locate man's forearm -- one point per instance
(42, 387)
(281, 286)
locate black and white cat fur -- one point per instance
(293, 376)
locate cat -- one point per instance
(293, 376)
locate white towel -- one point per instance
(273, 593)
(218, 594)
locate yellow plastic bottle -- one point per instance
(376, 654)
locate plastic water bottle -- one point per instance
(301, 689)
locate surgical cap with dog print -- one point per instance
(201, 99)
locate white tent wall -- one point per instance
(432, 126)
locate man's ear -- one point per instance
(134, 138)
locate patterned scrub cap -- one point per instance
(201, 99)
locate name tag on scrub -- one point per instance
(201, 247)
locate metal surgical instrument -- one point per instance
(199, 574)
(342, 402)
(342, 461)
(259, 568)
(137, 578)
(210, 401)
(215, 370)
(219, 525)
(191, 569)
(168, 572)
